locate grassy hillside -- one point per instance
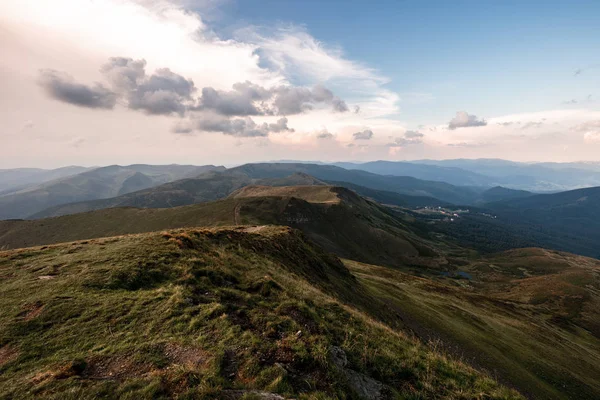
(210, 186)
(530, 316)
(227, 313)
(350, 226)
(98, 183)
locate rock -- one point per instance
(366, 387)
(338, 356)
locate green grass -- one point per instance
(539, 333)
(203, 313)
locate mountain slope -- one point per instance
(217, 185)
(336, 218)
(451, 175)
(530, 315)
(235, 314)
(95, 184)
(499, 193)
(18, 178)
(537, 177)
(567, 221)
(399, 184)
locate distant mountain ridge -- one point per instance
(216, 185)
(97, 183)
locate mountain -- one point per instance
(94, 184)
(451, 175)
(210, 186)
(536, 177)
(399, 184)
(335, 217)
(15, 179)
(234, 313)
(219, 184)
(529, 316)
(499, 193)
(567, 221)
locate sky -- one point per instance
(98, 82)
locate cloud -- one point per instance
(580, 71)
(124, 73)
(413, 134)
(465, 120)
(531, 124)
(183, 128)
(163, 93)
(409, 138)
(587, 99)
(292, 52)
(591, 131)
(239, 127)
(364, 135)
(166, 92)
(467, 144)
(296, 100)
(63, 87)
(324, 134)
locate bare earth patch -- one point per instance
(8, 354)
(187, 356)
(117, 368)
(31, 310)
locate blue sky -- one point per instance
(495, 57)
(94, 82)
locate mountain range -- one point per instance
(285, 276)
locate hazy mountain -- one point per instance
(451, 175)
(219, 184)
(399, 184)
(534, 177)
(94, 184)
(568, 221)
(499, 193)
(19, 178)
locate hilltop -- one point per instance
(215, 185)
(337, 218)
(209, 313)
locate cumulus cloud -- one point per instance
(166, 92)
(324, 134)
(465, 120)
(63, 87)
(409, 138)
(590, 130)
(295, 100)
(124, 73)
(239, 127)
(367, 134)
